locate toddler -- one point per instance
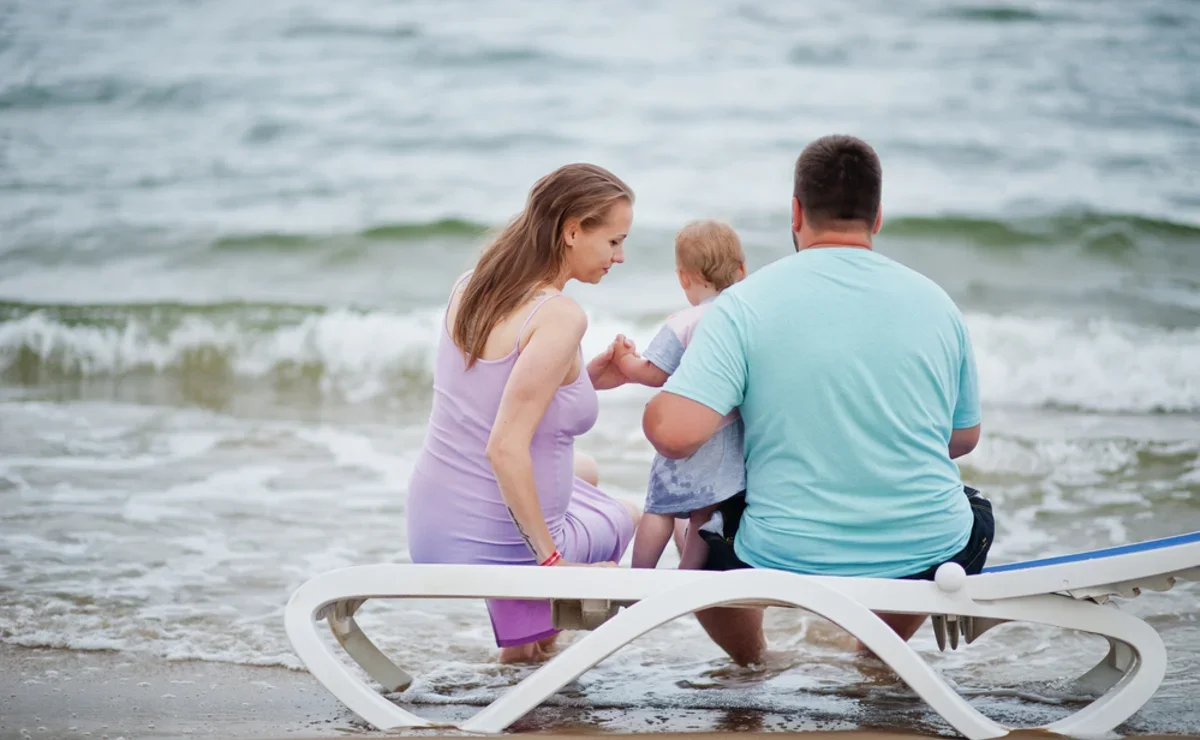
(708, 259)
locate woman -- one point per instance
(495, 481)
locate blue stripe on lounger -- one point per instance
(1108, 552)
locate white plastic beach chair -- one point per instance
(619, 605)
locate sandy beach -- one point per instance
(62, 693)
(101, 694)
(51, 693)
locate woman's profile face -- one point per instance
(591, 253)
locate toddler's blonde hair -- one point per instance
(711, 250)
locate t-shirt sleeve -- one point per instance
(713, 369)
(664, 351)
(967, 411)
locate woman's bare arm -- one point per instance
(540, 369)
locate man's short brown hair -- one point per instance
(839, 182)
(710, 250)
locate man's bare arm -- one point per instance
(678, 426)
(962, 441)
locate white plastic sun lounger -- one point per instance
(620, 604)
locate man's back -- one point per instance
(851, 371)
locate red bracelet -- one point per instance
(554, 558)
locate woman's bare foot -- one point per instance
(530, 652)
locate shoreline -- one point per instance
(53, 692)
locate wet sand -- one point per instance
(68, 693)
(74, 694)
(49, 693)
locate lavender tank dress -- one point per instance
(455, 511)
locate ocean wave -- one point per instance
(349, 354)
(357, 355)
(996, 14)
(92, 91)
(444, 228)
(1102, 234)
(352, 31)
(1094, 365)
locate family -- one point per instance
(808, 418)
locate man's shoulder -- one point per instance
(765, 284)
(917, 285)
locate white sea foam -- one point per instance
(357, 356)
(1098, 365)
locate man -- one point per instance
(856, 382)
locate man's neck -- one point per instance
(825, 239)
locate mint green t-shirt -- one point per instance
(850, 371)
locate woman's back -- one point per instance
(456, 513)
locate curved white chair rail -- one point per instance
(1063, 593)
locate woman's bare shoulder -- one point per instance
(560, 310)
(460, 285)
(456, 292)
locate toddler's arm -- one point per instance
(640, 370)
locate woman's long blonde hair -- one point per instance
(530, 251)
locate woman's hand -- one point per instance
(604, 369)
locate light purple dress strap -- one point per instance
(525, 323)
(459, 283)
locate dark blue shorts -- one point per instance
(721, 555)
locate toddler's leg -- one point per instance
(695, 549)
(652, 536)
(681, 529)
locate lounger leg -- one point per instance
(1108, 672)
(307, 605)
(1146, 661)
(736, 588)
(953, 626)
(1142, 677)
(359, 647)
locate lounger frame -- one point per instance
(619, 605)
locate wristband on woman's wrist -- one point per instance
(554, 558)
